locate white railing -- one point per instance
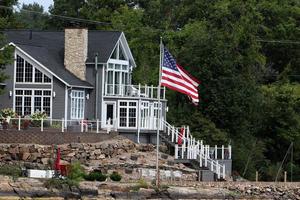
(150, 123)
(134, 91)
(194, 149)
(61, 125)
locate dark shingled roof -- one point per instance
(48, 48)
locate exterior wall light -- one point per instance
(54, 94)
(88, 96)
(10, 93)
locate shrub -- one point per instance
(95, 176)
(140, 184)
(37, 117)
(76, 172)
(11, 170)
(7, 113)
(115, 176)
(59, 183)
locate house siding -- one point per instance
(5, 100)
(58, 102)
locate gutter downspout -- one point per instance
(96, 92)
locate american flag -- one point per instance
(173, 76)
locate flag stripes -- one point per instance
(176, 78)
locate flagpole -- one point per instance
(158, 113)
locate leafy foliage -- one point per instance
(115, 176)
(95, 176)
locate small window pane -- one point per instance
(121, 53)
(47, 79)
(38, 76)
(110, 66)
(124, 67)
(27, 92)
(37, 92)
(117, 66)
(114, 55)
(47, 93)
(19, 92)
(19, 69)
(28, 72)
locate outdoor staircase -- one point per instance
(194, 153)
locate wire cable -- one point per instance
(60, 16)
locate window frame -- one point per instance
(27, 63)
(128, 107)
(32, 100)
(79, 100)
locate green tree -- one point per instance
(32, 20)
(6, 21)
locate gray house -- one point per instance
(79, 74)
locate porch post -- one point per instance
(19, 123)
(222, 152)
(216, 152)
(139, 121)
(97, 126)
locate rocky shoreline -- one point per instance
(35, 188)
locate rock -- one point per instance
(88, 188)
(71, 154)
(45, 161)
(128, 170)
(102, 156)
(134, 157)
(123, 158)
(76, 146)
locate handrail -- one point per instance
(194, 149)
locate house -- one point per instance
(79, 74)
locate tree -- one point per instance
(32, 20)
(6, 21)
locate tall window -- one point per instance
(117, 79)
(117, 72)
(77, 104)
(26, 72)
(145, 114)
(28, 102)
(127, 114)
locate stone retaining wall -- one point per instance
(35, 136)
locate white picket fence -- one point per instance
(58, 124)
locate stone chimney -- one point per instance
(76, 45)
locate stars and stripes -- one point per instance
(173, 76)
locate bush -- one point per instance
(76, 172)
(59, 183)
(140, 184)
(11, 170)
(7, 113)
(37, 117)
(115, 176)
(95, 176)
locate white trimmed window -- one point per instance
(27, 73)
(117, 72)
(77, 104)
(128, 114)
(117, 77)
(28, 102)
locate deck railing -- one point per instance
(193, 149)
(61, 125)
(144, 91)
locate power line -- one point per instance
(60, 16)
(278, 41)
